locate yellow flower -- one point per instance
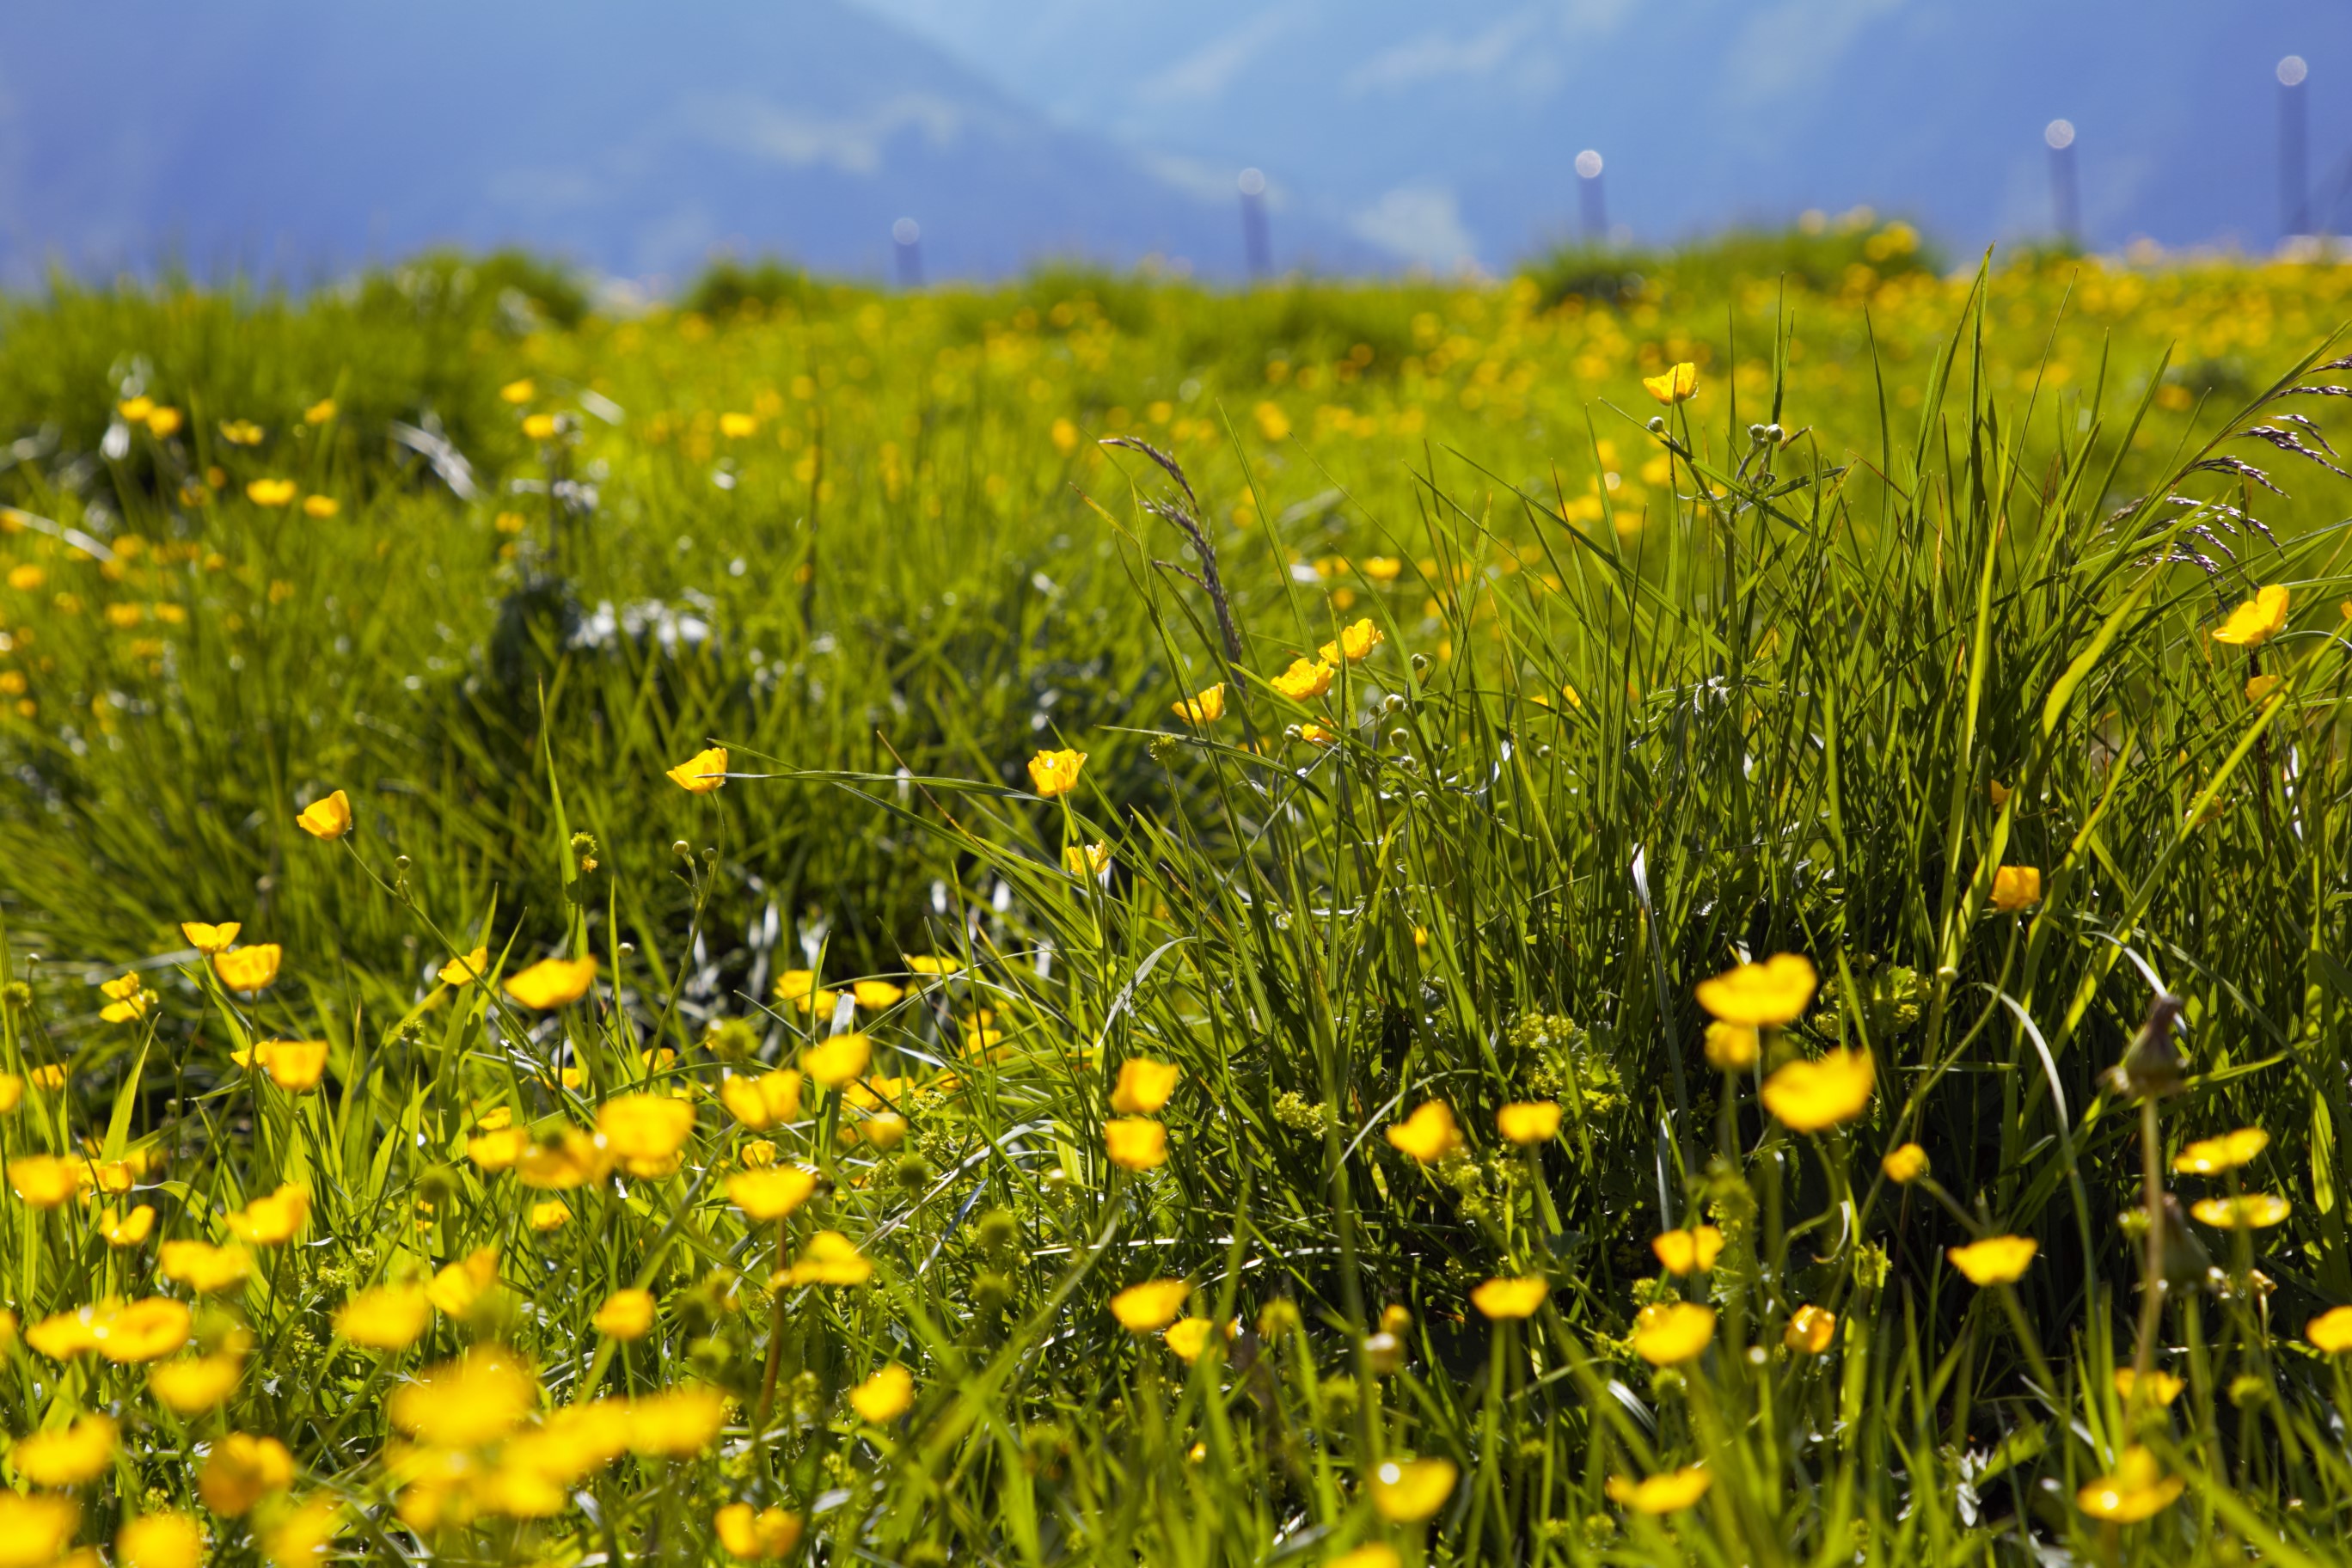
(1810, 1096)
(1810, 1329)
(318, 413)
(1303, 680)
(701, 773)
(1354, 644)
(202, 1267)
(574, 1160)
(1502, 1299)
(552, 1214)
(295, 1066)
(1904, 1165)
(36, 1529)
(271, 492)
(465, 1403)
(735, 426)
(884, 1397)
(135, 409)
(1144, 1086)
(161, 1540)
(1665, 1333)
(1691, 1251)
(1673, 386)
(465, 971)
(756, 1537)
(299, 1536)
(2257, 620)
(242, 1469)
(2211, 1156)
(2260, 687)
(1999, 793)
(839, 1061)
(1317, 735)
(1406, 1491)
(1188, 1337)
(757, 1155)
(1668, 1493)
(386, 1318)
(458, 1286)
(552, 983)
(65, 1335)
(677, 1424)
(761, 1102)
(2137, 1489)
(540, 426)
(1528, 1121)
(49, 1075)
(498, 1149)
(274, 1220)
(241, 432)
(2331, 1331)
(519, 392)
(1429, 1134)
(41, 1180)
(1731, 1048)
(67, 1456)
(164, 423)
(1053, 773)
(200, 1383)
(770, 1194)
(626, 1315)
(1148, 1308)
(800, 987)
(12, 1092)
(2162, 1387)
(1995, 1260)
(830, 1258)
(251, 968)
(209, 939)
(1203, 707)
(873, 996)
(931, 963)
(1767, 995)
(128, 1230)
(2016, 888)
(1381, 568)
(321, 507)
(1085, 859)
(646, 1126)
(2248, 1211)
(147, 1329)
(1136, 1142)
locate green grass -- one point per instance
(1800, 667)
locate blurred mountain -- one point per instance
(1440, 133)
(292, 140)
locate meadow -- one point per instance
(1689, 908)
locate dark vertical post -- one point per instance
(1590, 204)
(906, 238)
(1257, 244)
(2295, 189)
(2065, 200)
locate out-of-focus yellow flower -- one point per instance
(498, 1149)
(466, 1404)
(28, 577)
(873, 996)
(2212, 1156)
(552, 1214)
(203, 1267)
(320, 507)
(735, 426)
(1767, 996)
(1136, 1142)
(241, 1471)
(2137, 1489)
(830, 1258)
(1317, 735)
(2016, 888)
(144, 1330)
(1085, 859)
(37, 1529)
(1731, 1048)
(241, 432)
(2260, 687)
(1668, 1332)
(1272, 422)
(67, 1456)
(1188, 1337)
(1810, 1329)
(466, 971)
(2257, 620)
(540, 426)
(834, 1062)
(1668, 1493)
(1429, 1134)
(519, 392)
(457, 1287)
(2331, 1331)
(161, 1540)
(1506, 1299)
(1407, 1491)
(763, 1536)
(1690, 1251)
(799, 988)
(209, 939)
(2161, 1387)
(273, 1220)
(2247, 1211)
(61, 1336)
(1904, 1165)
(41, 1180)
(770, 1194)
(272, 492)
(49, 1076)
(1148, 1308)
(646, 1126)
(757, 1155)
(552, 983)
(165, 423)
(760, 1103)
(884, 1397)
(573, 1160)
(1995, 1260)
(1144, 1086)
(253, 967)
(1381, 568)
(701, 773)
(1809, 1096)
(626, 1315)
(126, 1230)
(298, 1536)
(1354, 644)
(12, 1092)
(1528, 1121)
(295, 1066)
(1203, 707)
(1673, 386)
(200, 1383)
(677, 1423)
(1304, 680)
(318, 413)
(1053, 773)
(386, 1318)
(135, 409)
